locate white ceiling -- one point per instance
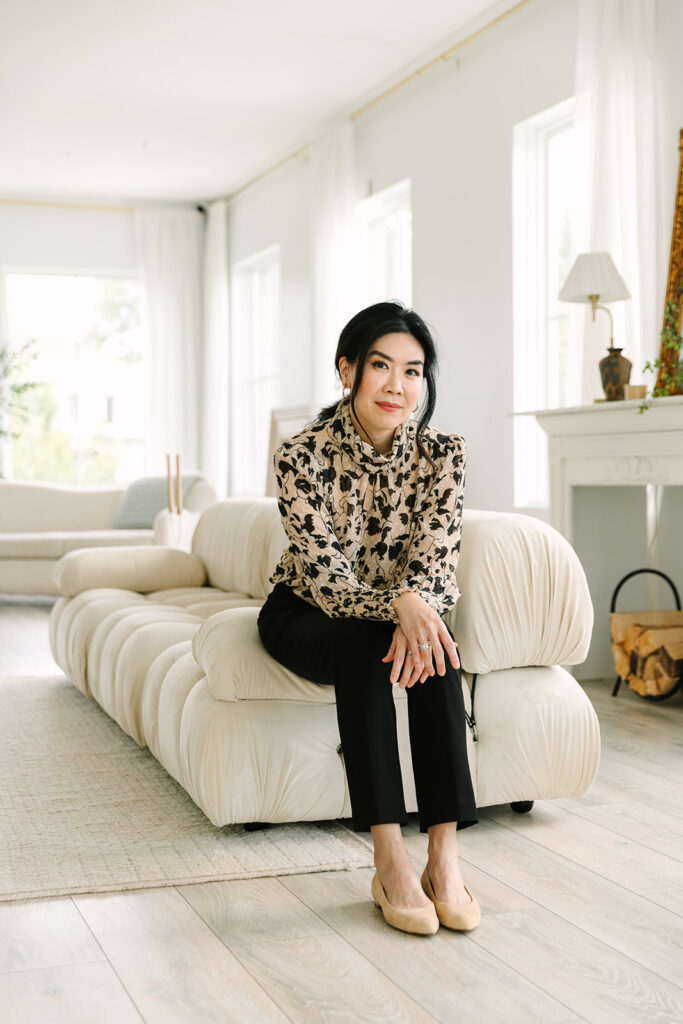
(190, 99)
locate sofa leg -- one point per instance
(521, 806)
(256, 826)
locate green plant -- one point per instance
(14, 386)
(670, 338)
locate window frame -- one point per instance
(373, 208)
(531, 315)
(68, 271)
(242, 275)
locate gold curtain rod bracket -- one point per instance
(263, 174)
(446, 55)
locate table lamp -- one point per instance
(595, 279)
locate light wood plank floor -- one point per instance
(582, 913)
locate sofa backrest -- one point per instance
(29, 507)
(240, 541)
(200, 496)
(524, 595)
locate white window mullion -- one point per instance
(255, 369)
(386, 244)
(542, 180)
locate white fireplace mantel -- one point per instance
(610, 444)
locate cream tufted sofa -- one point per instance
(166, 641)
(41, 522)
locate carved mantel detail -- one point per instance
(636, 469)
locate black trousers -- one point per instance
(347, 653)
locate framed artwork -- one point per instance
(669, 357)
(284, 423)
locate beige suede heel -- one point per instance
(418, 920)
(461, 917)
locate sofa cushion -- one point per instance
(154, 684)
(123, 648)
(229, 650)
(525, 598)
(27, 506)
(533, 722)
(240, 541)
(182, 596)
(142, 569)
(55, 543)
(73, 622)
(204, 601)
(143, 499)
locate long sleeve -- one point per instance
(319, 556)
(435, 546)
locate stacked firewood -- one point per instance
(648, 650)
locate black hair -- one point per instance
(360, 334)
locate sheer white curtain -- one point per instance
(336, 284)
(170, 244)
(616, 213)
(215, 403)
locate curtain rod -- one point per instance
(442, 57)
(64, 205)
(60, 205)
(395, 88)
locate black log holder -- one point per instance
(613, 608)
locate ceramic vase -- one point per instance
(615, 371)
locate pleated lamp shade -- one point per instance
(594, 273)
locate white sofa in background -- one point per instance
(177, 661)
(41, 522)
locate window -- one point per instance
(87, 348)
(386, 244)
(255, 369)
(544, 173)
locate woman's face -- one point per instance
(390, 387)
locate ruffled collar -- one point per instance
(362, 452)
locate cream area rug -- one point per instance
(84, 809)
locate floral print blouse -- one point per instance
(365, 527)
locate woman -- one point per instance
(371, 501)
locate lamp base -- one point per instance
(615, 371)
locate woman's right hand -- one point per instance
(419, 624)
(399, 653)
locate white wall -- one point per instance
(45, 237)
(277, 211)
(450, 132)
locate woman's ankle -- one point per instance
(442, 843)
(388, 842)
(391, 856)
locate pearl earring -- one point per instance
(346, 391)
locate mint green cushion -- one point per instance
(143, 500)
